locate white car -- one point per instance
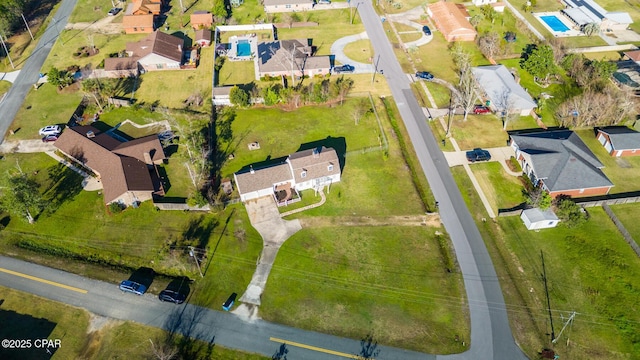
(50, 130)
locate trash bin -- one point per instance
(229, 303)
(487, 103)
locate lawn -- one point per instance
(627, 215)
(623, 172)
(502, 24)
(236, 73)
(399, 6)
(92, 10)
(360, 51)
(501, 189)
(584, 41)
(4, 87)
(478, 131)
(342, 281)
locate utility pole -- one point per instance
(193, 255)
(7, 52)
(569, 321)
(25, 22)
(375, 70)
(546, 290)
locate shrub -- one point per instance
(116, 208)
(569, 212)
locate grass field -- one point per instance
(588, 268)
(236, 73)
(92, 10)
(360, 51)
(626, 214)
(502, 190)
(359, 289)
(4, 87)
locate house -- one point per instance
(138, 24)
(221, 95)
(483, 2)
(285, 57)
(201, 20)
(452, 22)
(583, 12)
(536, 219)
(127, 170)
(203, 37)
(144, 7)
(276, 6)
(501, 89)
(158, 51)
(119, 67)
(561, 163)
(307, 169)
(620, 140)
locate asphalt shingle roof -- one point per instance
(497, 81)
(623, 138)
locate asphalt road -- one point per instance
(30, 71)
(491, 336)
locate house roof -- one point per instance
(119, 172)
(123, 63)
(276, 56)
(263, 178)
(158, 43)
(141, 7)
(588, 6)
(581, 15)
(501, 88)
(201, 18)
(562, 160)
(315, 163)
(450, 19)
(536, 214)
(619, 17)
(286, 2)
(203, 34)
(633, 55)
(317, 62)
(140, 21)
(622, 138)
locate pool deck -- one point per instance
(232, 54)
(573, 29)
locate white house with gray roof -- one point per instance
(276, 6)
(620, 141)
(561, 163)
(583, 12)
(307, 169)
(501, 89)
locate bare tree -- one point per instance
(505, 103)
(288, 59)
(163, 351)
(363, 106)
(466, 91)
(593, 108)
(489, 44)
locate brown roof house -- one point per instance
(275, 6)
(158, 51)
(127, 170)
(452, 21)
(138, 24)
(144, 7)
(307, 169)
(201, 20)
(203, 37)
(119, 67)
(275, 59)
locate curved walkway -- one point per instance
(337, 49)
(323, 199)
(405, 18)
(9, 76)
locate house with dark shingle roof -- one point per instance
(277, 58)
(620, 140)
(158, 51)
(127, 170)
(561, 163)
(307, 169)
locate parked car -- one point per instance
(478, 154)
(132, 287)
(50, 130)
(426, 30)
(171, 296)
(424, 75)
(481, 109)
(346, 68)
(114, 11)
(50, 138)
(324, 2)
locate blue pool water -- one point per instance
(554, 23)
(243, 48)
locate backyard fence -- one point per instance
(180, 207)
(627, 237)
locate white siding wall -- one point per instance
(157, 62)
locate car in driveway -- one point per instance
(132, 287)
(426, 30)
(50, 138)
(172, 296)
(114, 11)
(323, 2)
(424, 75)
(50, 130)
(481, 109)
(346, 68)
(478, 154)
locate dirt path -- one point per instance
(102, 26)
(432, 220)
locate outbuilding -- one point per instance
(536, 218)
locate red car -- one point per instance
(481, 109)
(50, 138)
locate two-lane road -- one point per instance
(491, 336)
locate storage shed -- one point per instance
(536, 218)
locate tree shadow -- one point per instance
(4, 222)
(368, 348)
(180, 285)
(199, 231)
(144, 276)
(65, 184)
(224, 229)
(184, 321)
(281, 353)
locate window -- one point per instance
(303, 174)
(288, 6)
(135, 29)
(330, 167)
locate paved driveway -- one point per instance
(337, 49)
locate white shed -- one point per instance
(537, 218)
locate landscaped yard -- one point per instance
(501, 189)
(93, 10)
(626, 213)
(360, 51)
(386, 281)
(236, 73)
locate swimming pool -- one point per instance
(243, 48)
(554, 23)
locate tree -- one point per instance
(590, 29)
(593, 108)
(489, 44)
(341, 88)
(239, 97)
(505, 103)
(59, 78)
(21, 196)
(537, 60)
(94, 88)
(220, 10)
(466, 88)
(489, 13)
(539, 197)
(363, 106)
(570, 213)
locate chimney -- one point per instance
(180, 48)
(251, 169)
(90, 134)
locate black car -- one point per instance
(426, 30)
(114, 11)
(424, 75)
(478, 154)
(171, 296)
(346, 68)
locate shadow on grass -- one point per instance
(224, 229)
(184, 321)
(20, 326)
(199, 231)
(65, 185)
(4, 222)
(338, 144)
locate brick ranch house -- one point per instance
(127, 170)
(620, 141)
(561, 163)
(307, 169)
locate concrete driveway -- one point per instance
(499, 154)
(337, 49)
(406, 19)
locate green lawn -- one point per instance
(92, 10)
(502, 24)
(404, 301)
(627, 215)
(623, 172)
(236, 73)
(501, 189)
(478, 131)
(4, 87)
(360, 51)
(584, 41)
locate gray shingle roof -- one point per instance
(622, 138)
(315, 162)
(496, 80)
(263, 178)
(562, 160)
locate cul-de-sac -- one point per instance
(320, 179)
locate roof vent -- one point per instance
(251, 169)
(91, 134)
